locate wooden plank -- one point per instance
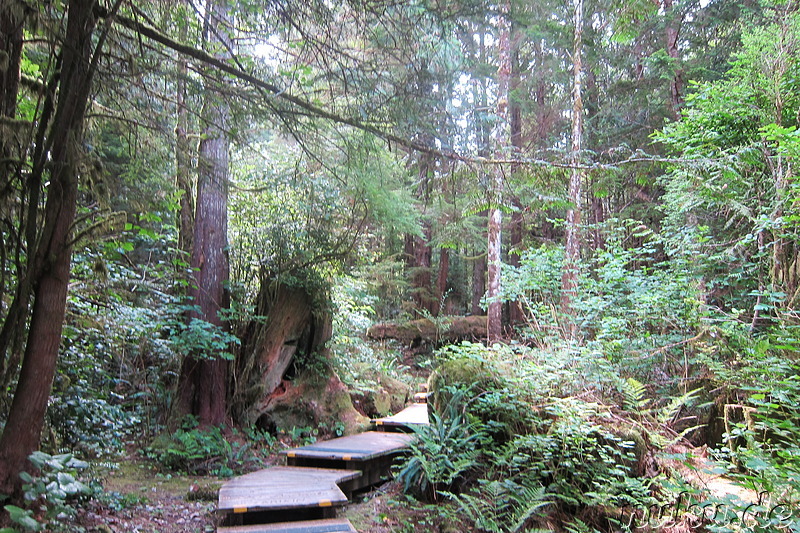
(283, 487)
(414, 414)
(361, 447)
(338, 525)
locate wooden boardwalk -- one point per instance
(303, 496)
(413, 415)
(283, 487)
(305, 526)
(371, 453)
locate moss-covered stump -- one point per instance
(311, 400)
(462, 373)
(444, 330)
(391, 396)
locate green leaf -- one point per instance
(23, 517)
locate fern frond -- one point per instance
(634, 395)
(532, 501)
(670, 412)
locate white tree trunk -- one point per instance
(572, 248)
(501, 136)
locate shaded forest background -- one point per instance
(269, 218)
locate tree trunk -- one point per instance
(292, 327)
(572, 248)
(418, 250)
(183, 157)
(11, 147)
(676, 83)
(483, 136)
(441, 279)
(516, 231)
(50, 264)
(494, 325)
(202, 385)
(478, 285)
(11, 19)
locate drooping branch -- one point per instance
(305, 107)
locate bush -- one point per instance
(444, 453)
(200, 452)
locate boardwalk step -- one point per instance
(338, 525)
(372, 453)
(307, 526)
(413, 415)
(283, 493)
(421, 397)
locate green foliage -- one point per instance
(23, 517)
(639, 292)
(199, 451)
(361, 365)
(736, 142)
(502, 506)
(634, 395)
(444, 453)
(766, 443)
(314, 205)
(55, 491)
(541, 452)
(198, 337)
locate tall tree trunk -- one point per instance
(418, 252)
(183, 157)
(494, 327)
(676, 83)
(50, 262)
(572, 248)
(11, 24)
(516, 230)
(202, 385)
(11, 20)
(483, 138)
(478, 284)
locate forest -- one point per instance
(234, 226)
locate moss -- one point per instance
(461, 373)
(309, 402)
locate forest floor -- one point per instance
(139, 499)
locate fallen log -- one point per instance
(443, 330)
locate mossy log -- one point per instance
(444, 330)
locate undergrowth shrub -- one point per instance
(360, 364)
(541, 451)
(445, 452)
(52, 494)
(199, 451)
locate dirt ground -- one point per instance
(139, 499)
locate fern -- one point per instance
(669, 413)
(502, 506)
(530, 504)
(634, 399)
(444, 451)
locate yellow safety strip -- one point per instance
(239, 510)
(325, 503)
